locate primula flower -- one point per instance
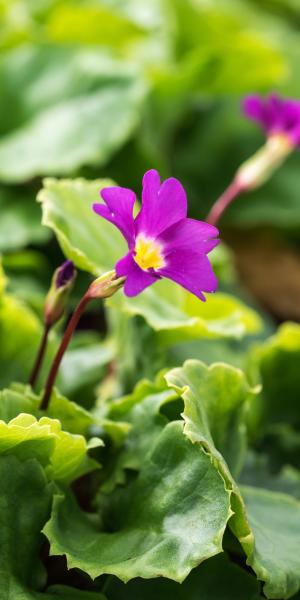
(277, 116)
(162, 241)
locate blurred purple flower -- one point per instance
(162, 241)
(277, 116)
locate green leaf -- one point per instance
(178, 315)
(257, 473)
(63, 455)
(141, 411)
(275, 364)
(92, 243)
(275, 521)
(214, 397)
(77, 420)
(214, 417)
(91, 110)
(20, 334)
(216, 579)
(25, 506)
(83, 366)
(16, 401)
(96, 24)
(177, 507)
(20, 223)
(25, 500)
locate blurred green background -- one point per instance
(111, 88)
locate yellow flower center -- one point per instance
(148, 253)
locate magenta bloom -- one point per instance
(162, 241)
(276, 116)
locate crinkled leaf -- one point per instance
(73, 418)
(64, 455)
(177, 507)
(225, 390)
(215, 403)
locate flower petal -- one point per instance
(253, 108)
(189, 234)
(118, 210)
(162, 206)
(136, 279)
(291, 114)
(192, 271)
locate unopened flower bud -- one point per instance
(106, 285)
(61, 285)
(255, 171)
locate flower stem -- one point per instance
(103, 287)
(217, 210)
(40, 356)
(62, 348)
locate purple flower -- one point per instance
(277, 116)
(162, 241)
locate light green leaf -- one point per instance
(92, 243)
(20, 334)
(15, 401)
(69, 459)
(94, 24)
(64, 455)
(177, 507)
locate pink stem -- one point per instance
(217, 210)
